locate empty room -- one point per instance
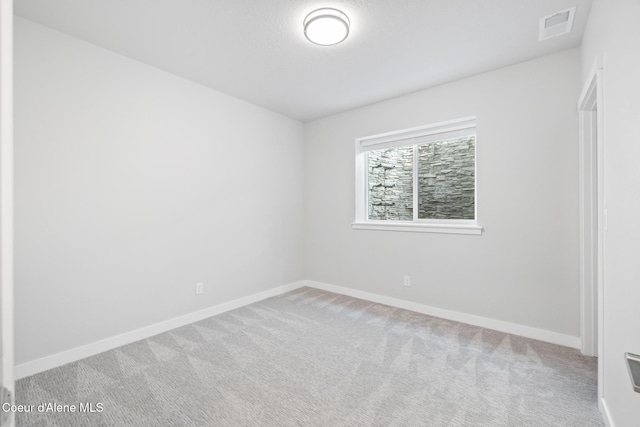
(319, 213)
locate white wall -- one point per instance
(132, 185)
(524, 268)
(612, 40)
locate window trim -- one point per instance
(420, 227)
(413, 136)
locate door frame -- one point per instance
(6, 196)
(592, 219)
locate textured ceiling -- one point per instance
(255, 49)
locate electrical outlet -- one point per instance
(199, 288)
(407, 280)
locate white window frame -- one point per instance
(413, 136)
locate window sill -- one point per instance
(418, 227)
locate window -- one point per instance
(419, 179)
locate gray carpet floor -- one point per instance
(314, 358)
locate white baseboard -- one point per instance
(606, 415)
(49, 362)
(485, 322)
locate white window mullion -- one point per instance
(415, 182)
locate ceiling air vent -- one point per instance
(557, 24)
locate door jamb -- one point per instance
(6, 197)
(592, 220)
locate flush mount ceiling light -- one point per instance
(326, 26)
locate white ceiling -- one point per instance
(255, 49)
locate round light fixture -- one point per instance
(326, 26)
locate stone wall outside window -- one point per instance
(391, 184)
(446, 181)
